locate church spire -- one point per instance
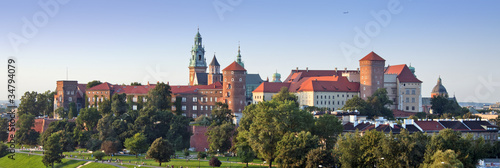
(238, 57)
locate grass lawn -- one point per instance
(98, 165)
(34, 161)
(190, 163)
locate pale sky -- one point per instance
(150, 40)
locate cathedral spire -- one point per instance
(238, 57)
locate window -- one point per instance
(134, 107)
(195, 99)
(413, 100)
(232, 72)
(70, 99)
(407, 108)
(183, 99)
(211, 107)
(412, 107)
(228, 86)
(195, 107)
(413, 91)
(183, 107)
(206, 107)
(228, 94)
(241, 80)
(407, 91)
(60, 97)
(210, 99)
(232, 79)
(407, 100)
(216, 99)
(194, 115)
(206, 99)
(134, 99)
(173, 99)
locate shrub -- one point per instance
(99, 155)
(214, 162)
(202, 155)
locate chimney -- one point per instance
(357, 70)
(345, 70)
(335, 70)
(352, 118)
(297, 69)
(307, 69)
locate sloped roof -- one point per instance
(328, 84)
(372, 56)
(183, 89)
(253, 79)
(214, 62)
(478, 125)
(297, 75)
(402, 114)
(102, 86)
(128, 89)
(429, 125)
(455, 125)
(202, 78)
(234, 67)
(271, 87)
(403, 72)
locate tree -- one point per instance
(245, 153)
(186, 153)
(61, 112)
(214, 162)
(53, 150)
(160, 150)
(135, 84)
(284, 95)
(447, 158)
(318, 157)
(93, 83)
(109, 146)
(378, 103)
(88, 118)
(4, 127)
(221, 114)
(104, 126)
(293, 148)
(137, 144)
(357, 103)
(29, 104)
(24, 133)
(327, 128)
(45, 102)
(4, 150)
(202, 120)
(72, 110)
(219, 137)
(201, 155)
(105, 106)
(119, 105)
(93, 144)
(160, 97)
(99, 155)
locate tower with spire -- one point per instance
(214, 74)
(238, 57)
(197, 63)
(439, 89)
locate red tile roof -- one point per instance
(429, 125)
(372, 56)
(133, 90)
(402, 114)
(404, 73)
(271, 87)
(328, 84)
(103, 86)
(297, 75)
(234, 67)
(183, 89)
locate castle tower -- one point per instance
(197, 63)
(233, 87)
(214, 72)
(439, 89)
(238, 58)
(276, 77)
(66, 92)
(372, 74)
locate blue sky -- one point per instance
(127, 41)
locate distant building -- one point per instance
(69, 92)
(439, 89)
(332, 88)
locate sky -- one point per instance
(120, 42)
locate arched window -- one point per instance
(199, 57)
(228, 94)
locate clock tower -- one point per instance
(197, 63)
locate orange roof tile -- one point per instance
(234, 67)
(102, 86)
(404, 73)
(372, 56)
(271, 87)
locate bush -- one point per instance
(214, 162)
(186, 152)
(99, 155)
(3, 150)
(202, 155)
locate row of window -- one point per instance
(413, 91)
(184, 108)
(412, 108)
(211, 92)
(70, 92)
(195, 99)
(329, 97)
(329, 102)
(98, 92)
(408, 100)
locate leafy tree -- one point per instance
(105, 106)
(24, 133)
(293, 148)
(93, 144)
(201, 155)
(53, 150)
(110, 146)
(178, 105)
(214, 162)
(447, 158)
(160, 97)
(29, 104)
(4, 127)
(245, 153)
(4, 150)
(177, 132)
(219, 137)
(72, 110)
(160, 150)
(119, 106)
(65, 129)
(221, 114)
(61, 112)
(186, 152)
(328, 128)
(81, 136)
(378, 103)
(318, 157)
(99, 155)
(88, 118)
(137, 144)
(202, 120)
(104, 126)
(284, 95)
(349, 147)
(93, 83)
(45, 102)
(135, 84)
(357, 103)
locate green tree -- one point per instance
(61, 112)
(219, 137)
(110, 146)
(327, 128)
(379, 102)
(119, 105)
(29, 104)
(99, 155)
(135, 84)
(24, 132)
(160, 97)
(357, 103)
(45, 102)
(88, 118)
(160, 150)
(93, 83)
(186, 153)
(202, 120)
(318, 157)
(104, 126)
(4, 150)
(221, 114)
(137, 144)
(53, 150)
(105, 106)
(293, 148)
(72, 110)
(284, 95)
(4, 127)
(93, 144)
(245, 153)
(447, 158)
(201, 155)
